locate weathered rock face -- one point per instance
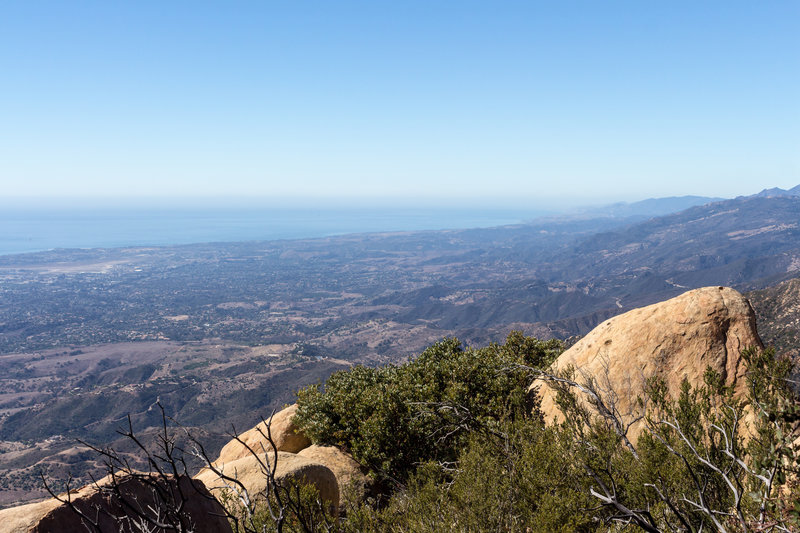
(249, 472)
(354, 484)
(201, 512)
(673, 340)
(284, 433)
(332, 471)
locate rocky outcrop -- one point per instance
(354, 484)
(26, 518)
(285, 435)
(295, 457)
(201, 513)
(250, 472)
(672, 340)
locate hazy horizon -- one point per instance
(37, 229)
(38, 225)
(547, 204)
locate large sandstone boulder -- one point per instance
(201, 512)
(354, 484)
(673, 340)
(286, 436)
(249, 472)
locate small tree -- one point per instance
(394, 418)
(154, 499)
(284, 505)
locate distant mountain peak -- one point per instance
(777, 191)
(651, 207)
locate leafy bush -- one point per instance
(394, 418)
(461, 446)
(521, 483)
(708, 461)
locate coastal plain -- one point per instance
(219, 334)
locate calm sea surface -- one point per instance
(31, 229)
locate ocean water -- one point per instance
(27, 229)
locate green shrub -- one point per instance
(457, 432)
(394, 418)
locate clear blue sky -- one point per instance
(494, 101)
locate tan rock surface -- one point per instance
(675, 339)
(250, 473)
(24, 518)
(353, 482)
(284, 433)
(52, 516)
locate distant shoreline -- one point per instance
(41, 230)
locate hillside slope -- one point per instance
(226, 319)
(778, 311)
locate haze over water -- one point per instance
(33, 229)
